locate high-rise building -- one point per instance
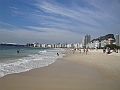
(118, 39)
(86, 39)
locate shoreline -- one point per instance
(72, 72)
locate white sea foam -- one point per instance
(43, 58)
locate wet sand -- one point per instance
(94, 71)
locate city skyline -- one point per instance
(54, 21)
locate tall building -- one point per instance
(118, 39)
(86, 39)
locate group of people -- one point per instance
(85, 50)
(107, 50)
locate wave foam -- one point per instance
(45, 58)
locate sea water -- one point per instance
(28, 58)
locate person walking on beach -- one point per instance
(86, 50)
(79, 50)
(74, 50)
(104, 50)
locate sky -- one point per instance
(56, 21)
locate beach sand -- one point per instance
(94, 71)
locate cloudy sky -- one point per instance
(54, 21)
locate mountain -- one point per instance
(106, 37)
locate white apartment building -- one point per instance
(76, 45)
(104, 43)
(49, 45)
(118, 39)
(70, 45)
(44, 45)
(98, 44)
(86, 39)
(63, 45)
(80, 45)
(94, 44)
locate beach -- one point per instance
(78, 71)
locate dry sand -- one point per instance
(109, 64)
(94, 71)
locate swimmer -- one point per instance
(57, 54)
(18, 51)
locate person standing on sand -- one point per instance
(79, 50)
(86, 50)
(74, 50)
(104, 50)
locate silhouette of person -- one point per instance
(57, 54)
(18, 51)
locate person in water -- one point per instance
(18, 51)
(57, 54)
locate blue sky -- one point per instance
(54, 21)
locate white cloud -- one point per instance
(50, 35)
(71, 14)
(6, 24)
(100, 15)
(50, 21)
(13, 7)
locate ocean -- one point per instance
(28, 58)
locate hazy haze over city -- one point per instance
(53, 21)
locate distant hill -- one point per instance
(106, 37)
